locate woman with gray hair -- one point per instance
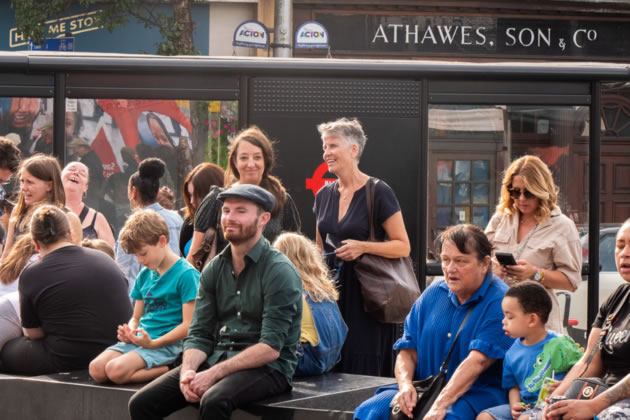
(342, 233)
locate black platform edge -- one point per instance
(75, 395)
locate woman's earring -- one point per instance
(84, 194)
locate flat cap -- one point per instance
(252, 193)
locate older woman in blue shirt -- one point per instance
(474, 371)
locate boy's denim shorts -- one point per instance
(152, 357)
(502, 412)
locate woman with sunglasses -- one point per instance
(529, 224)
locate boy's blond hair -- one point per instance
(99, 245)
(143, 227)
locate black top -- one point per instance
(89, 232)
(209, 214)
(616, 346)
(368, 347)
(78, 296)
(354, 224)
(185, 235)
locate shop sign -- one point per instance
(311, 35)
(75, 24)
(251, 34)
(475, 35)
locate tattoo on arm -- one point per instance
(618, 392)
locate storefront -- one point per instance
(477, 129)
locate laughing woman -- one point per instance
(75, 178)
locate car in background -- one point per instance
(609, 281)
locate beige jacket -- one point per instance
(555, 245)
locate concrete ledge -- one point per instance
(74, 395)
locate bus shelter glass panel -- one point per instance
(27, 121)
(470, 148)
(111, 136)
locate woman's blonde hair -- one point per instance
(308, 261)
(16, 259)
(538, 180)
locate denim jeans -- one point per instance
(331, 332)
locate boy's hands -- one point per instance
(142, 340)
(123, 333)
(516, 408)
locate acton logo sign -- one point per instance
(251, 34)
(311, 35)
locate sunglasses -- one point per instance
(515, 193)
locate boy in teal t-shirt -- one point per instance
(164, 294)
(535, 355)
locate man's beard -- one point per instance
(246, 233)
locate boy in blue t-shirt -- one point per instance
(164, 292)
(536, 355)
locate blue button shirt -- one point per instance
(433, 322)
(129, 263)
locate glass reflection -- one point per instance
(480, 193)
(480, 170)
(462, 170)
(462, 193)
(444, 193)
(444, 170)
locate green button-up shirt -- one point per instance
(263, 304)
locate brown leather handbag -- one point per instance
(389, 285)
(208, 249)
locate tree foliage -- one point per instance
(176, 29)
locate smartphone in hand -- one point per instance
(505, 258)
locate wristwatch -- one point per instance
(539, 275)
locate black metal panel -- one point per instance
(33, 85)
(396, 98)
(151, 86)
(455, 70)
(509, 93)
(509, 87)
(421, 239)
(289, 110)
(507, 99)
(59, 117)
(593, 207)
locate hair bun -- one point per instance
(152, 168)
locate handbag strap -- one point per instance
(444, 367)
(370, 187)
(605, 330)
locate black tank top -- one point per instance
(89, 232)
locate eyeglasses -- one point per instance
(515, 193)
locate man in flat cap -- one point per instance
(246, 326)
